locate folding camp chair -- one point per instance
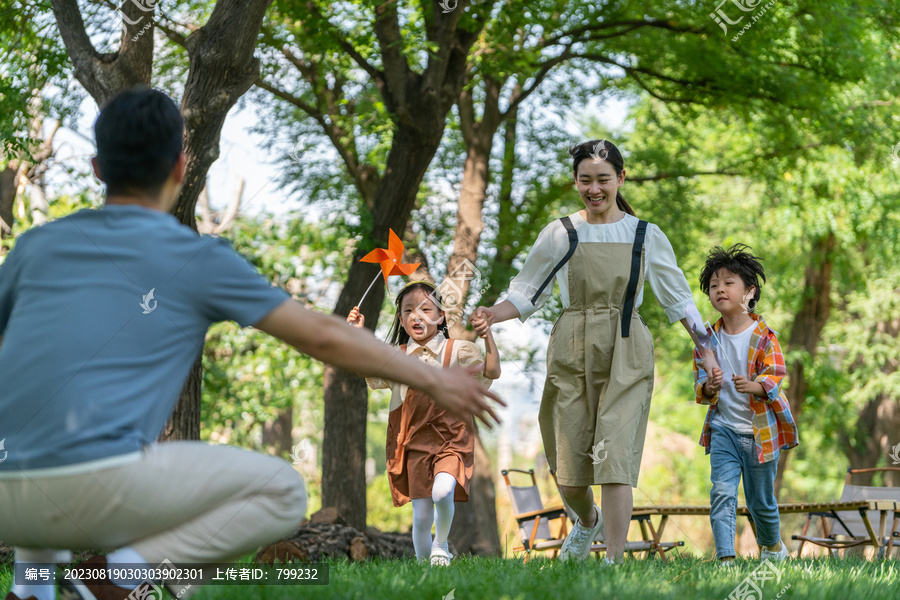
(533, 518)
(648, 544)
(846, 529)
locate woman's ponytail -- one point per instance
(622, 204)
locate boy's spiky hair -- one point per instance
(739, 261)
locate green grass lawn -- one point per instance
(680, 578)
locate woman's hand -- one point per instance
(713, 384)
(709, 361)
(356, 318)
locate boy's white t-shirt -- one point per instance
(734, 407)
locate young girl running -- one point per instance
(430, 453)
(600, 358)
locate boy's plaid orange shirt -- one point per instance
(773, 424)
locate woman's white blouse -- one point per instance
(661, 269)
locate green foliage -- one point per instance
(33, 67)
(249, 377)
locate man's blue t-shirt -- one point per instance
(91, 365)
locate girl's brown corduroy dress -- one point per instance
(424, 439)
(596, 399)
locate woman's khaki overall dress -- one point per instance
(596, 399)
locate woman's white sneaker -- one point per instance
(578, 543)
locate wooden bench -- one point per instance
(655, 533)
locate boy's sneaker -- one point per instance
(727, 563)
(440, 557)
(101, 588)
(778, 556)
(578, 543)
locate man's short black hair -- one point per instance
(739, 261)
(139, 135)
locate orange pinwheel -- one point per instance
(389, 259)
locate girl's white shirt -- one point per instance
(465, 353)
(660, 266)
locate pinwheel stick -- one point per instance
(719, 343)
(377, 275)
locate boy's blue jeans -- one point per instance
(731, 455)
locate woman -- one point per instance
(599, 382)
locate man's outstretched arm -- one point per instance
(331, 340)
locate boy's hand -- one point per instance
(742, 385)
(356, 318)
(714, 383)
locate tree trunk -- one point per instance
(184, 424)
(876, 430)
(811, 317)
(276, 434)
(461, 270)
(344, 441)
(222, 68)
(346, 410)
(869, 443)
(474, 528)
(9, 185)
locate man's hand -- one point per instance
(356, 318)
(481, 320)
(744, 386)
(327, 338)
(458, 392)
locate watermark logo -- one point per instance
(452, 293)
(722, 19)
(895, 154)
(297, 151)
(147, 299)
(3, 441)
(151, 591)
(300, 452)
(599, 452)
(450, 596)
(895, 453)
(751, 587)
(445, 5)
(144, 5)
(600, 152)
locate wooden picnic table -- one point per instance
(831, 509)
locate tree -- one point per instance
(222, 68)
(415, 59)
(33, 62)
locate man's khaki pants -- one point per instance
(188, 502)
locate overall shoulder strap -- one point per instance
(573, 243)
(448, 353)
(633, 277)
